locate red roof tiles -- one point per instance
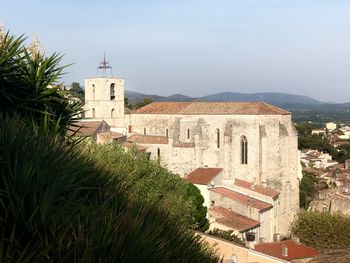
(234, 220)
(111, 135)
(203, 175)
(257, 188)
(294, 250)
(241, 198)
(148, 139)
(86, 128)
(184, 144)
(191, 108)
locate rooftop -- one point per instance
(294, 250)
(111, 135)
(203, 175)
(241, 198)
(257, 188)
(148, 139)
(85, 128)
(234, 220)
(207, 108)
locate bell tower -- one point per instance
(104, 96)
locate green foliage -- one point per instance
(199, 211)
(317, 142)
(322, 230)
(228, 235)
(61, 204)
(305, 129)
(148, 182)
(343, 153)
(24, 86)
(307, 189)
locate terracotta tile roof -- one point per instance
(294, 250)
(242, 108)
(85, 128)
(257, 188)
(111, 135)
(241, 198)
(203, 175)
(233, 220)
(148, 139)
(184, 144)
(138, 147)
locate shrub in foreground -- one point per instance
(60, 204)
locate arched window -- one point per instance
(144, 131)
(167, 133)
(217, 138)
(112, 113)
(93, 91)
(244, 150)
(188, 133)
(158, 154)
(112, 91)
(93, 113)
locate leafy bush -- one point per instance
(227, 235)
(307, 189)
(25, 77)
(148, 182)
(322, 230)
(61, 204)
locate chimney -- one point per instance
(284, 250)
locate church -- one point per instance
(243, 156)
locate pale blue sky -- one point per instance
(198, 47)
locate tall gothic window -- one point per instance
(217, 138)
(144, 131)
(244, 150)
(112, 113)
(188, 133)
(167, 133)
(112, 91)
(93, 112)
(158, 155)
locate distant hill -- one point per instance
(304, 108)
(278, 99)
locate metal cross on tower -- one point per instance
(104, 65)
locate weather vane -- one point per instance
(104, 65)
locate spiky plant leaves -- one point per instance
(25, 81)
(68, 206)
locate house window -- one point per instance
(112, 91)
(93, 113)
(167, 133)
(144, 131)
(112, 113)
(244, 150)
(212, 204)
(217, 138)
(188, 133)
(130, 129)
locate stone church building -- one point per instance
(243, 156)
